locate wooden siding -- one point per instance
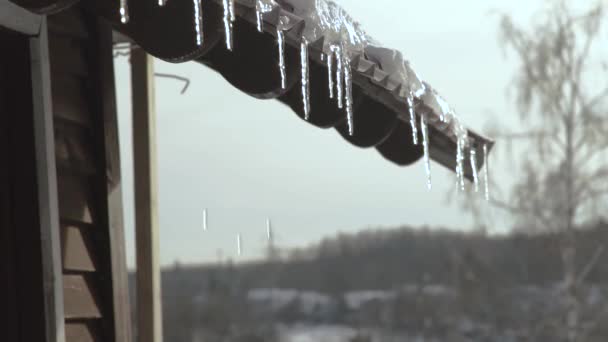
(79, 62)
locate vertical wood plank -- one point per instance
(46, 177)
(107, 110)
(149, 324)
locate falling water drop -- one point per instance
(348, 89)
(486, 172)
(269, 231)
(239, 245)
(410, 105)
(281, 43)
(330, 73)
(124, 11)
(425, 144)
(198, 21)
(205, 227)
(228, 19)
(305, 77)
(339, 75)
(473, 158)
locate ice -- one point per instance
(410, 105)
(229, 17)
(305, 77)
(330, 73)
(262, 7)
(124, 11)
(460, 145)
(348, 89)
(339, 75)
(486, 172)
(473, 159)
(425, 144)
(198, 21)
(239, 245)
(281, 44)
(205, 227)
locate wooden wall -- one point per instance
(88, 174)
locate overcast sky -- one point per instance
(246, 159)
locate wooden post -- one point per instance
(149, 318)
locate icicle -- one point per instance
(322, 57)
(339, 76)
(460, 145)
(124, 11)
(305, 77)
(410, 104)
(281, 43)
(330, 73)
(261, 8)
(239, 245)
(198, 21)
(348, 89)
(425, 144)
(473, 158)
(486, 172)
(228, 19)
(205, 227)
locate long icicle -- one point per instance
(473, 159)
(460, 162)
(348, 89)
(198, 21)
(228, 18)
(281, 43)
(330, 73)
(410, 105)
(339, 76)
(425, 144)
(486, 172)
(124, 11)
(305, 77)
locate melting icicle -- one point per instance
(228, 19)
(305, 77)
(425, 144)
(339, 75)
(410, 104)
(330, 73)
(473, 158)
(239, 245)
(486, 172)
(198, 21)
(262, 7)
(205, 227)
(348, 89)
(281, 43)
(124, 11)
(460, 144)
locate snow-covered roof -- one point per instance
(314, 57)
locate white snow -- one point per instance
(356, 299)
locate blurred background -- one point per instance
(359, 249)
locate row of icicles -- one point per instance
(339, 84)
(239, 237)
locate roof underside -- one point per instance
(380, 108)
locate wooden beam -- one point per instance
(18, 19)
(47, 186)
(149, 319)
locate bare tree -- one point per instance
(562, 97)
